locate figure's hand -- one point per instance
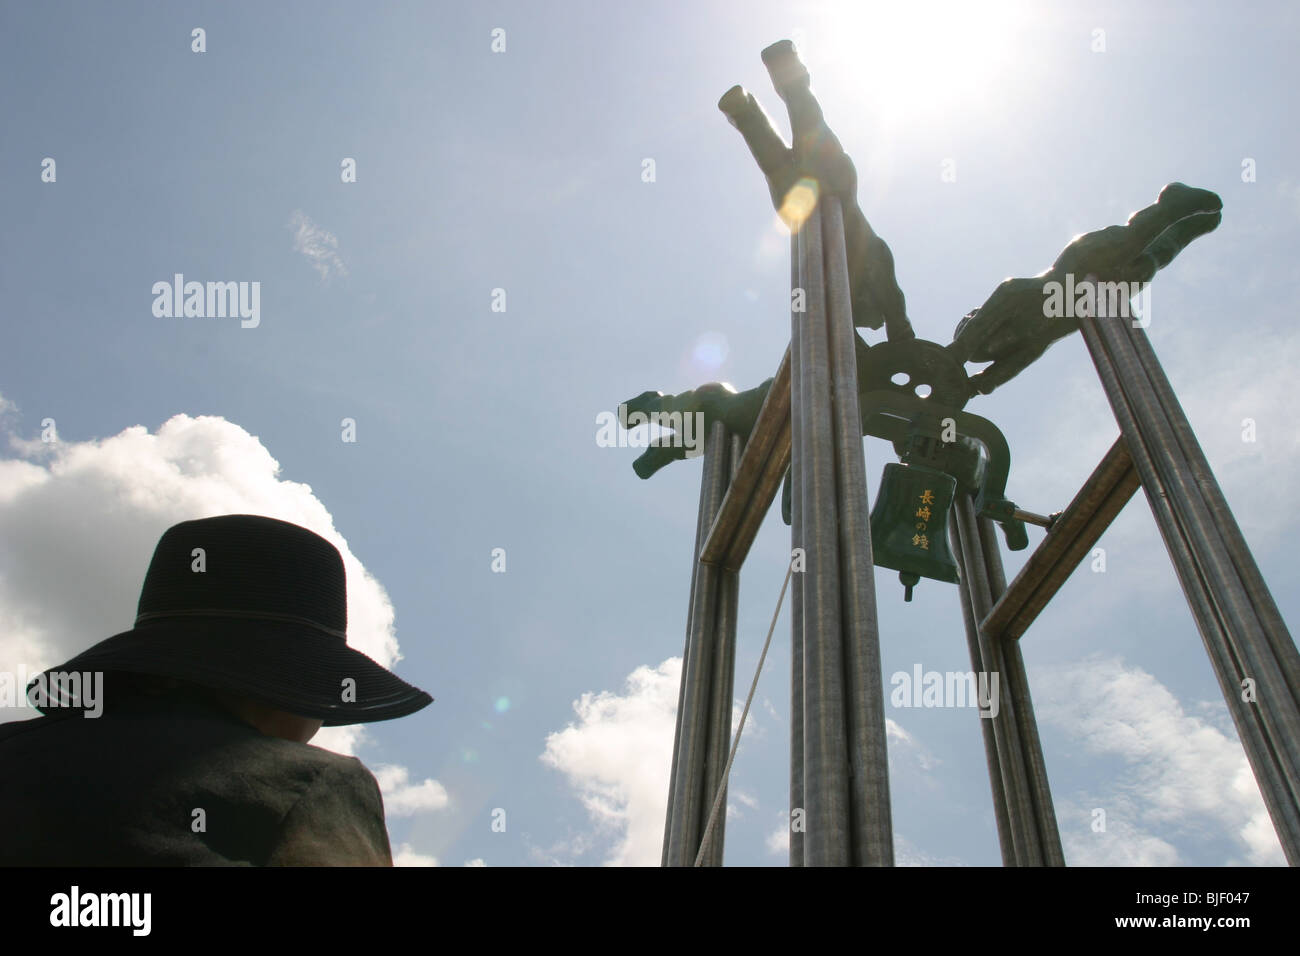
(1009, 319)
(713, 402)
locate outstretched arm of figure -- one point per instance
(714, 402)
(1013, 328)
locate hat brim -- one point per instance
(291, 667)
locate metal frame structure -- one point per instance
(810, 422)
(838, 770)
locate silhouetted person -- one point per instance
(198, 753)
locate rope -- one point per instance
(726, 771)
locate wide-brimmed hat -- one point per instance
(251, 606)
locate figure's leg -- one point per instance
(815, 146)
(774, 158)
(876, 296)
(1156, 234)
(1177, 237)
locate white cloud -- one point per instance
(618, 756)
(900, 742)
(401, 798)
(320, 247)
(778, 841)
(1182, 774)
(475, 862)
(79, 526)
(405, 856)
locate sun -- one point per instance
(915, 60)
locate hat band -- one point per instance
(244, 615)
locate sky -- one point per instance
(502, 271)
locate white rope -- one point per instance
(726, 772)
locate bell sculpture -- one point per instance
(909, 524)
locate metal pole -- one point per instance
(1015, 681)
(1261, 600)
(701, 532)
(688, 797)
(1005, 841)
(1275, 701)
(1020, 807)
(720, 694)
(1159, 462)
(827, 841)
(796, 592)
(872, 835)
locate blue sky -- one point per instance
(521, 170)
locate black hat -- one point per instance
(256, 607)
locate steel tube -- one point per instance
(1261, 599)
(1252, 732)
(1005, 841)
(1275, 702)
(827, 841)
(702, 525)
(688, 796)
(796, 592)
(872, 835)
(1015, 680)
(1020, 810)
(722, 684)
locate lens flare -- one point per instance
(799, 203)
(711, 350)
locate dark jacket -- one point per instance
(123, 790)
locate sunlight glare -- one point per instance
(915, 59)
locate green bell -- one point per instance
(909, 524)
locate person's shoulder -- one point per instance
(338, 819)
(325, 763)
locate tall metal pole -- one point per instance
(797, 818)
(722, 682)
(872, 833)
(1014, 688)
(686, 799)
(703, 523)
(1015, 785)
(827, 840)
(991, 755)
(1247, 642)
